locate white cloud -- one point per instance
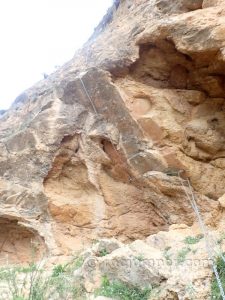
(36, 35)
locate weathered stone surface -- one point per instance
(222, 201)
(94, 151)
(182, 270)
(210, 3)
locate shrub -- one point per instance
(75, 264)
(190, 240)
(121, 291)
(215, 291)
(140, 257)
(58, 270)
(181, 256)
(103, 252)
(167, 256)
(35, 283)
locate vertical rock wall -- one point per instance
(95, 149)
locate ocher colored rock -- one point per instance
(222, 201)
(94, 151)
(165, 260)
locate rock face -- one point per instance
(178, 270)
(95, 149)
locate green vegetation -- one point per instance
(221, 239)
(191, 240)
(75, 264)
(167, 256)
(58, 270)
(190, 289)
(140, 257)
(30, 268)
(215, 292)
(34, 282)
(103, 252)
(121, 291)
(95, 241)
(181, 256)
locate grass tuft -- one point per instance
(140, 257)
(215, 291)
(103, 252)
(35, 283)
(191, 240)
(181, 256)
(167, 256)
(121, 291)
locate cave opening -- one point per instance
(19, 244)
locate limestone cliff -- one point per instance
(95, 149)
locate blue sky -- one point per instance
(37, 35)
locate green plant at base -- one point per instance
(95, 241)
(191, 240)
(140, 257)
(78, 292)
(35, 283)
(181, 256)
(76, 263)
(167, 256)
(69, 267)
(57, 270)
(121, 291)
(190, 289)
(221, 239)
(30, 268)
(215, 291)
(103, 252)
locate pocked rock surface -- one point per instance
(100, 148)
